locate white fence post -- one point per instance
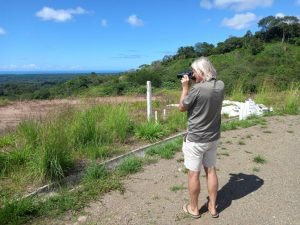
(155, 116)
(165, 114)
(149, 103)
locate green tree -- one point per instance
(186, 52)
(256, 45)
(204, 48)
(279, 27)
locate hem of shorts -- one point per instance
(203, 140)
(192, 169)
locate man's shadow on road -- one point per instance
(238, 186)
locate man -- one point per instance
(203, 103)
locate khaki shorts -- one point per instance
(198, 154)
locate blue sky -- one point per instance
(117, 34)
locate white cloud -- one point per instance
(8, 67)
(30, 66)
(280, 15)
(2, 31)
(237, 5)
(59, 15)
(104, 23)
(134, 21)
(207, 4)
(240, 21)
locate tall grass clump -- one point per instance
(266, 93)
(3, 102)
(19, 211)
(54, 153)
(4, 163)
(28, 133)
(292, 99)
(101, 152)
(100, 125)
(149, 131)
(237, 93)
(94, 172)
(7, 140)
(175, 120)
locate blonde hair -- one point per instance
(203, 65)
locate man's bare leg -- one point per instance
(194, 190)
(212, 188)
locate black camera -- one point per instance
(189, 73)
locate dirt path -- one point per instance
(268, 196)
(11, 115)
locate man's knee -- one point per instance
(210, 170)
(194, 174)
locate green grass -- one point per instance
(150, 131)
(235, 124)
(7, 140)
(102, 124)
(54, 157)
(4, 163)
(129, 166)
(175, 121)
(95, 171)
(223, 153)
(167, 150)
(237, 93)
(19, 212)
(28, 134)
(259, 159)
(266, 93)
(292, 99)
(256, 169)
(176, 188)
(100, 152)
(3, 102)
(267, 131)
(241, 142)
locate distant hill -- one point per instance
(278, 64)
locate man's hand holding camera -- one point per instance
(186, 84)
(185, 81)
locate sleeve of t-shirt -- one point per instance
(190, 99)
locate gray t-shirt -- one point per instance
(204, 104)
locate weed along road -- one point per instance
(259, 176)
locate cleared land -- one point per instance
(12, 114)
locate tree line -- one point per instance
(286, 29)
